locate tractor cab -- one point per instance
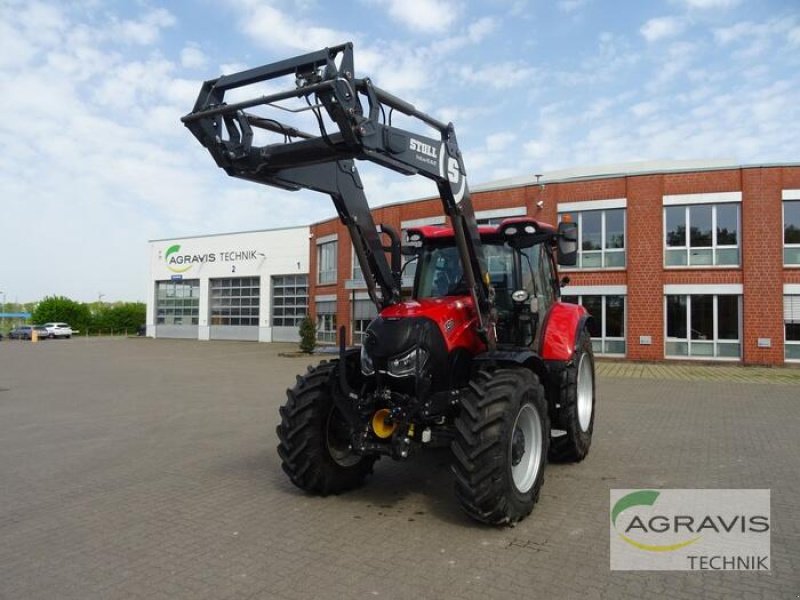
(520, 257)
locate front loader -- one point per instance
(484, 357)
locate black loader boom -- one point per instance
(355, 111)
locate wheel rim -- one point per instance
(585, 386)
(337, 440)
(525, 449)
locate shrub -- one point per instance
(308, 335)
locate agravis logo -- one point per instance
(658, 523)
(171, 258)
(690, 529)
(180, 263)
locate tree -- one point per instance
(121, 316)
(127, 316)
(61, 308)
(308, 335)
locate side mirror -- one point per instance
(567, 244)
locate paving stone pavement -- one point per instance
(136, 468)
(687, 371)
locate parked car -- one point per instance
(25, 332)
(58, 330)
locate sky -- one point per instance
(94, 161)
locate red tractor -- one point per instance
(483, 357)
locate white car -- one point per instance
(58, 330)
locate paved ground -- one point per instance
(699, 372)
(147, 469)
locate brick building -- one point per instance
(687, 260)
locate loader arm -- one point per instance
(325, 162)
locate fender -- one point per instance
(562, 327)
(524, 358)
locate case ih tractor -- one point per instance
(483, 357)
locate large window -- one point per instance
(289, 300)
(601, 237)
(608, 325)
(326, 321)
(358, 274)
(701, 235)
(326, 262)
(442, 274)
(364, 312)
(234, 300)
(791, 232)
(703, 325)
(791, 324)
(178, 302)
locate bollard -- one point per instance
(34, 336)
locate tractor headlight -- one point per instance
(367, 368)
(407, 364)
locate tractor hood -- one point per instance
(454, 316)
(441, 331)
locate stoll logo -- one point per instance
(693, 529)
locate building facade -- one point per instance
(691, 261)
(239, 286)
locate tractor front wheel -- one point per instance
(315, 438)
(577, 406)
(500, 448)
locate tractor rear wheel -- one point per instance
(500, 447)
(315, 438)
(577, 406)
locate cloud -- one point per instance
(711, 4)
(496, 142)
(794, 36)
(571, 6)
(193, 58)
(270, 27)
(500, 76)
(424, 16)
(146, 30)
(645, 109)
(661, 28)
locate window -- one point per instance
(235, 300)
(703, 325)
(178, 302)
(442, 274)
(601, 238)
(363, 313)
(358, 274)
(326, 321)
(289, 300)
(701, 234)
(608, 326)
(409, 271)
(791, 232)
(326, 262)
(409, 267)
(791, 325)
